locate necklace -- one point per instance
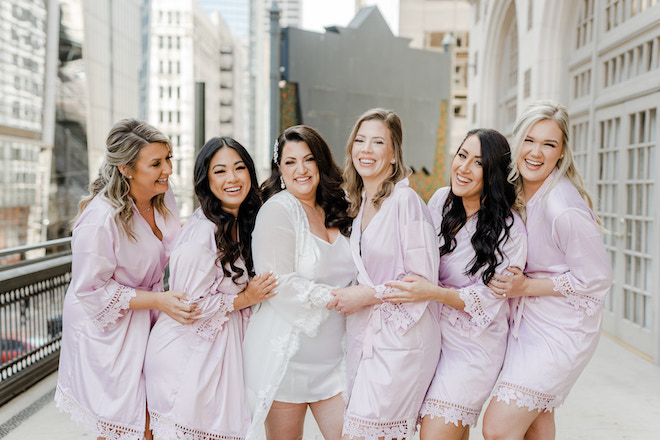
(145, 209)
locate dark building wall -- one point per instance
(346, 71)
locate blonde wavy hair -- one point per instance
(542, 110)
(353, 183)
(123, 145)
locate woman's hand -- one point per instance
(173, 303)
(351, 299)
(411, 288)
(511, 283)
(259, 289)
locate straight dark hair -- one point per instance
(229, 250)
(494, 216)
(329, 194)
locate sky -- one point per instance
(320, 13)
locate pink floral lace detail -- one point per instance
(474, 307)
(114, 310)
(450, 412)
(165, 428)
(525, 397)
(209, 327)
(100, 428)
(396, 314)
(563, 285)
(372, 430)
(315, 300)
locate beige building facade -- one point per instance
(601, 58)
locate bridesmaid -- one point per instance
(121, 243)
(479, 236)
(194, 373)
(559, 298)
(390, 357)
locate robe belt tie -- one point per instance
(373, 327)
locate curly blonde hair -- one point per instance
(353, 183)
(542, 110)
(123, 145)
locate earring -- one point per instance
(561, 157)
(130, 177)
(393, 161)
(282, 185)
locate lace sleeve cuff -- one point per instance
(564, 286)
(474, 307)
(314, 298)
(119, 302)
(208, 328)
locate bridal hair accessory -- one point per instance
(275, 156)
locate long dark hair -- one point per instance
(329, 194)
(229, 250)
(494, 218)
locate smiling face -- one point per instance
(229, 179)
(539, 154)
(149, 176)
(372, 152)
(467, 179)
(300, 171)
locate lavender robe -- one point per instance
(553, 337)
(194, 372)
(392, 350)
(474, 339)
(100, 380)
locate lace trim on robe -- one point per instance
(284, 347)
(451, 412)
(473, 306)
(119, 302)
(396, 314)
(372, 430)
(100, 428)
(209, 327)
(315, 301)
(164, 427)
(526, 397)
(563, 285)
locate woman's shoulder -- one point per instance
(563, 198)
(439, 197)
(99, 211)
(197, 230)
(280, 207)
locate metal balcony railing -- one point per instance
(31, 300)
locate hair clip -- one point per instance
(275, 155)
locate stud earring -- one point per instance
(282, 185)
(130, 177)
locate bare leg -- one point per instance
(285, 421)
(329, 415)
(543, 428)
(148, 435)
(507, 422)
(436, 428)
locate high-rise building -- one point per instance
(27, 94)
(443, 25)
(189, 47)
(290, 15)
(96, 87)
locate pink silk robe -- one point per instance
(100, 380)
(474, 339)
(392, 350)
(194, 372)
(552, 338)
